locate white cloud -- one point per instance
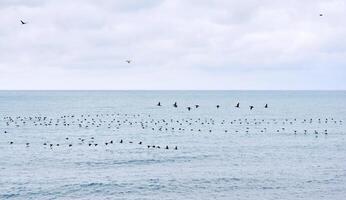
(195, 44)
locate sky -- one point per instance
(173, 45)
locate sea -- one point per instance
(123, 145)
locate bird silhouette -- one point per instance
(266, 106)
(237, 106)
(175, 105)
(159, 104)
(251, 107)
(23, 22)
(128, 61)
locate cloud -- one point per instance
(194, 44)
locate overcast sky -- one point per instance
(173, 44)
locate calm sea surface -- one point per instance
(121, 145)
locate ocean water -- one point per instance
(294, 149)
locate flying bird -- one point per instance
(251, 107)
(266, 106)
(128, 61)
(159, 104)
(23, 22)
(175, 105)
(237, 106)
(321, 15)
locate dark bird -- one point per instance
(175, 105)
(266, 106)
(251, 107)
(23, 23)
(159, 104)
(189, 108)
(196, 106)
(237, 106)
(321, 15)
(128, 61)
(217, 106)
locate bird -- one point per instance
(175, 104)
(217, 106)
(237, 106)
(321, 14)
(128, 61)
(251, 107)
(266, 106)
(23, 23)
(189, 108)
(196, 106)
(159, 104)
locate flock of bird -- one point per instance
(144, 123)
(217, 106)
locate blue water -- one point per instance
(294, 149)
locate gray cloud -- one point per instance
(195, 44)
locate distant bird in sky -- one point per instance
(321, 14)
(237, 106)
(128, 61)
(189, 108)
(217, 106)
(159, 104)
(196, 106)
(266, 106)
(251, 107)
(175, 104)
(23, 22)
